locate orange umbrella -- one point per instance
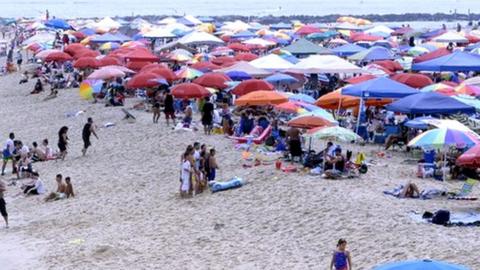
(309, 121)
(261, 98)
(86, 62)
(335, 100)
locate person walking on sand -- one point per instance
(87, 131)
(3, 209)
(169, 109)
(8, 149)
(62, 142)
(341, 257)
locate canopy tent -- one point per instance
(107, 24)
(325, 64)
(200, 38)
(159, 33)
(380, 30)
(429, 103)
(450, 37)
(432, 55)
(305, 47)
(457, 61)
(379, 88)
(348, 49)
(58, 24)
(373, 54)
(247, 68)
(108, 37)
(271, 62)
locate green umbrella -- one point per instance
(336, 133)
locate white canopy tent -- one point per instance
(325, 64)
(271, 62)
(200, 38)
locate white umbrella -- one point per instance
(325, 64)
(271, 62)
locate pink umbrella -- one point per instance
(106, 73)
(43, 54)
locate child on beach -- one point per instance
(341, 257)
(212, 165)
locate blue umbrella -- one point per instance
(421, 265)
(238, 75)
(419, 122)
(379, 88)
(302, 98)
(281, 78)
(58, 24)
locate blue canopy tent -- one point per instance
(110, 38)
(58, 24)
(348, 49)
(429, 103)
(432, 33)
(281, 25)
(420, 265)
(281, 78)
(377, 88)
(373, 54)
(381, 87)
(243, 35)
(87, 31)
(456, 61)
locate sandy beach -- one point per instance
(128, 215)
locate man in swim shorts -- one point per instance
(88, 130)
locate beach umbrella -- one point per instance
(117, 67)
(89, 87)
(421, 265)
(470, 90)
(379, 88)
(164, 72)
(443, 137)
(432, 55)
(109, 46)
(222, 60)
(189, 90)
(359, 79)
(419, 122)
(43, 54)
(247, 56)
(202, 57)
(85, 53)
(261, 98)
(336, 133)
(143, 80)
(205, 66)
(86, 62)
(251, 85)
(58, 24)
(180, 55)
(137, 65)
(373, 54)
(289, 107)
(238, 47)
(106, 73)
(238, 75)
(471, 158)
(278, 78)
(108, 61)
(438, 87)
(303, 98)
(417, 51)
(309, 121)
(58, 57)
(414, 80)
(215, 80)
(389, 64)
(188, 73)
(73, 48)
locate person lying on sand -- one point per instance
(410, 190)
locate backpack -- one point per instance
(441, 217)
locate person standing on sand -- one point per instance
(87, 131)
(62, 142)
(3, 209)
(294, 143)
(8, 153)
(212, 165)
(186, 174)
(169, 109)
(207, 116)
(341, 257)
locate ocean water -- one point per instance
(101, 8)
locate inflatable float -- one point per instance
(235, 182)
(254, 136)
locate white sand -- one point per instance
(127, 214)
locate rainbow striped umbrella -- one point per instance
(188, 73)
(109, 46)
(444, 137)
(89, 87)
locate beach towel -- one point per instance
(425, 194)
(461, 218)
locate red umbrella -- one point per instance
(251, 85)
(214, 80)
(165, 73)
(85, 53)
(143, 79)
(307, 29)
(471, 158)
(86, 62)
(79, 35)
(431, 55)
(141, 54)
(205, 66)
(137, 65)
(223, 60)
(390, 65)
(109, 61)
(73, 48)
(238, 47)
(189, 90)
(414, 80)
(361, 78)
(58, 57)
(153, 66)
(246, 57)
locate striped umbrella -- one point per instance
(444, 137)
(188, 73)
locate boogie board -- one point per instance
(235, 182)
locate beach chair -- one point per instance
(465, 191)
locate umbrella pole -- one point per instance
(359, 117)
(444, 163)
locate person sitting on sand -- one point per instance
(410, 190)
(341, 258)
(69, 191)
(60, 193)
(187, 119)
(37, 153)
(35, 186)
(334, 166)
(24, 78)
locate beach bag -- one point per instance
(441, 217)
(360, 158)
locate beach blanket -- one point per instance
(463, 218)
(425, 194)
